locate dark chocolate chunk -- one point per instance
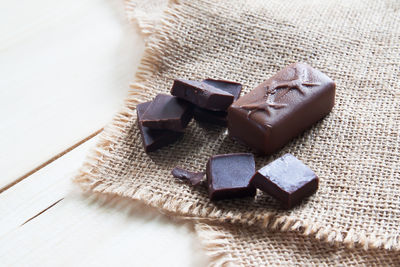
(168, 113)
(233, 88)
(154, 139)
(218, 117)
(286, 179)
(281, 108)
(208, 116)
(202, 94)
(228, 176)
(193, 177)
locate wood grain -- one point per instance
(65, 68)
(46, 221)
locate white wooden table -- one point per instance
(65, 67)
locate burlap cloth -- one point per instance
(355, 150)
(239, 246)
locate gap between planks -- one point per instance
(43, 211)
(41, 166)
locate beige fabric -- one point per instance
(146, 14)
(355, 150)
(240, 246)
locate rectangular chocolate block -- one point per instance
(228, 176)
(281, 108)
(202, 94)
(286, 179)
(168, 113)
(154, 139)
(218, 117)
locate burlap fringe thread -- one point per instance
(86, 176)
(213, 244)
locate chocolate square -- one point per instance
(154, 139)
(168, 113)
(229, 175)
(287, 179)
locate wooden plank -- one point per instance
(44, 164)
(77, 230)
(65, 69)
(73, 233)
(41, 189)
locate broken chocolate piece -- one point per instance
(217, 117)
(154, 139)
(286, 179)
(233, 88)
(281, 108)
(208, 116)
(168, 113)
(193, 177)
(229, 175)
(202, 94)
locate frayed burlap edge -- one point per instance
(87, 176)
(146, 24)
(214, 244)
(229, 245)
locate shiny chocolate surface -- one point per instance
(154, 139)
(281, 108)
(287, 179)
(229, 175)
(202, 94)
(168, 113)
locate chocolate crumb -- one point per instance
(194, 178)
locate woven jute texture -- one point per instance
(354, 150)
(241, 246)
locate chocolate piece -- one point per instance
(286, 179)
(229, 175)
(193, 177)
(213, 117)
(154, 139)
(230, 87)
(218, 117)
(202, 94)
(281, 108)
(168, 113)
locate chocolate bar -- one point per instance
(281, 108)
